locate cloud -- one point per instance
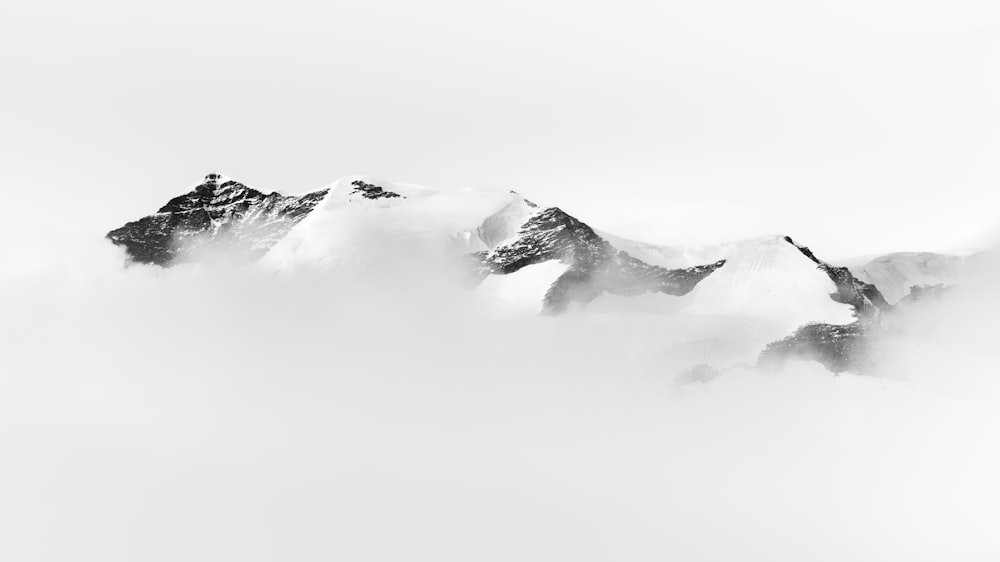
(235, 413)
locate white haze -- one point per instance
(234, 413)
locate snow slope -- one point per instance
(523, 291)
(764, 277)
(493, 232)
(359, 209)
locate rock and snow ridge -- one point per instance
(595, 265)
(502, 231)
(909, 279)
(220, 213)
(511, 243)
(839, 347)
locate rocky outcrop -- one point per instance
(232, 219)
(372, 191)
(838, 347)
(864, 298)
(595, 266)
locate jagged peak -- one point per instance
(217, 210)
(865, 298)
(805, 251)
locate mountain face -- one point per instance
(594, 265)
(219, 213)
(839, 347)
(911, 279)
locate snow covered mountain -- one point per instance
(792, 304)
(877, 292)
(358, 209)
(595, 266)
(500, 232)
(217, 215)
(765, 277)
(801, 307)
(839, 347)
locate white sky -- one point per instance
(856, 127)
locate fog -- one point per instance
(241, 413)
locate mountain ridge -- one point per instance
(828, 313)
(217, 211)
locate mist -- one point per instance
(234, 412)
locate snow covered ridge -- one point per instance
(839, 347)
(788, 303)
(595, 266)
(851, 347)
(503, 233)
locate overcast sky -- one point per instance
(856, 126)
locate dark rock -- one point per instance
(864, 298)
(230, 217)
(595, 266)
(837, 347)
(371, 191)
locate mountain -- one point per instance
(765, 277)
(595, 266)
(878, 292)
(800, 306)
(498, 232)
(839, 347)
(766, 299)
(218, 215)
(359, 210)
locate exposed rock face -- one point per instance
(595, 266)
(236, 219)
(228, 218)
(838, 347)
(864, 298)
(371, 191)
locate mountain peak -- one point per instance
(221, 211)
(594, 265)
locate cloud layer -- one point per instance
(235, 413)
